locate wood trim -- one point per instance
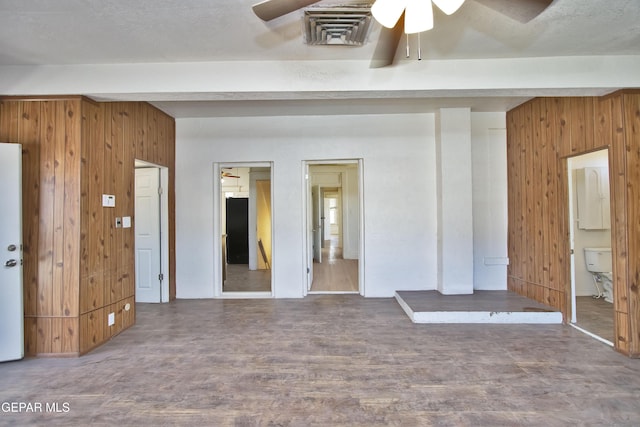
(45, 98)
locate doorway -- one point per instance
(151, 232)
(333, 227)
(244, 194)
(590, 243)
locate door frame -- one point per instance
(164, 226)
(571, 212)
(217, 231)
(307, 253)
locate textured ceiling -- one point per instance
(125, 31)
(39, 32)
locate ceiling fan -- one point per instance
(389, 39)
(224, 174)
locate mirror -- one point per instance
(245, 201)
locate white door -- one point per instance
(309, 225)
(11, 308)
(147, 230)
(316, 200)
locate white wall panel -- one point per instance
(400, 226)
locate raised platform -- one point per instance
(480, 307)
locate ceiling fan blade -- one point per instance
(520, 10)
(271, 9)
(387, 44)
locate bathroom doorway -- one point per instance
(590, 243)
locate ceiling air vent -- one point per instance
(339, 25)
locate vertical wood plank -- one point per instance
(563, 128)
(581, 123)
(30, 336)
(109, 188)
(521, 197)
(118, 164)
(43, 344)
(511, 186)
(552, 195)
(548, 158)
(618, 177)
(71, 208)
(9, 111)
(132, 132)
(92, 234)
(59, 157)
(29, 137)
(152, 132)
(538, 186)
(160, 140)
(631, 104)
(47, 206)
(56, 335)
(622, 332)
(92, 326)
(529, 195)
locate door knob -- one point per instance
(11, 263)
(12, 248)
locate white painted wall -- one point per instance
(351, 214)
(399, 208)
(455, 201)
(489, 158)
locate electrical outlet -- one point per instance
(108, 200)
(111, 319)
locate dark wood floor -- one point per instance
(478, 301)
(327, 360)
(596, 316)
(241, 279)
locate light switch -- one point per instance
(111, 319)
(108, 200)
(126, 222)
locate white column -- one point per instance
(455, 213)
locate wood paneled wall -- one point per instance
(78, 267)
(541, 135)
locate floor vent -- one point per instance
(340, 25)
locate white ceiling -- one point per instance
(74, 32)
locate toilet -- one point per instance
(599, 264)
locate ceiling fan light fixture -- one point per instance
(418, 16)
(448, 6)
(388, 12)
